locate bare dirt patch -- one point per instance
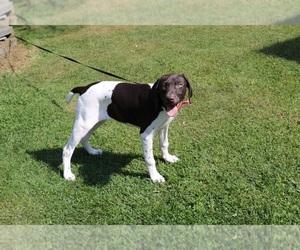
(14, 56)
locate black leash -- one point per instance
(73, 60)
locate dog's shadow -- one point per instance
(93, 169)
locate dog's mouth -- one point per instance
(172, 110)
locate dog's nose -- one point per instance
(171, 98)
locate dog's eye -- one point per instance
(179, 85)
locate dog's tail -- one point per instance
(72, 92)
(77, 90)
(69, 97)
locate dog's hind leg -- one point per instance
(85, 141)
(67, 155)
(79, 132)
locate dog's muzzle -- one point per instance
(173, 110)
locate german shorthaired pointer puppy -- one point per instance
(151, 107)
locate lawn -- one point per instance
(238, 142)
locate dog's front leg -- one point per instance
(147, 141)
(164, 145)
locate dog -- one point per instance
(151, 107)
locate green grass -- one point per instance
(238, 143)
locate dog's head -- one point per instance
(170, 90)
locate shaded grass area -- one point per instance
(288, 49)
(238, 143)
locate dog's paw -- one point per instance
(157, 178)
(93, 151)
(69, 176)
(171, 158)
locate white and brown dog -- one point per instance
(151, 107)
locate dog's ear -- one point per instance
(189, 86)
(154, 93)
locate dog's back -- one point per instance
(99, 90)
